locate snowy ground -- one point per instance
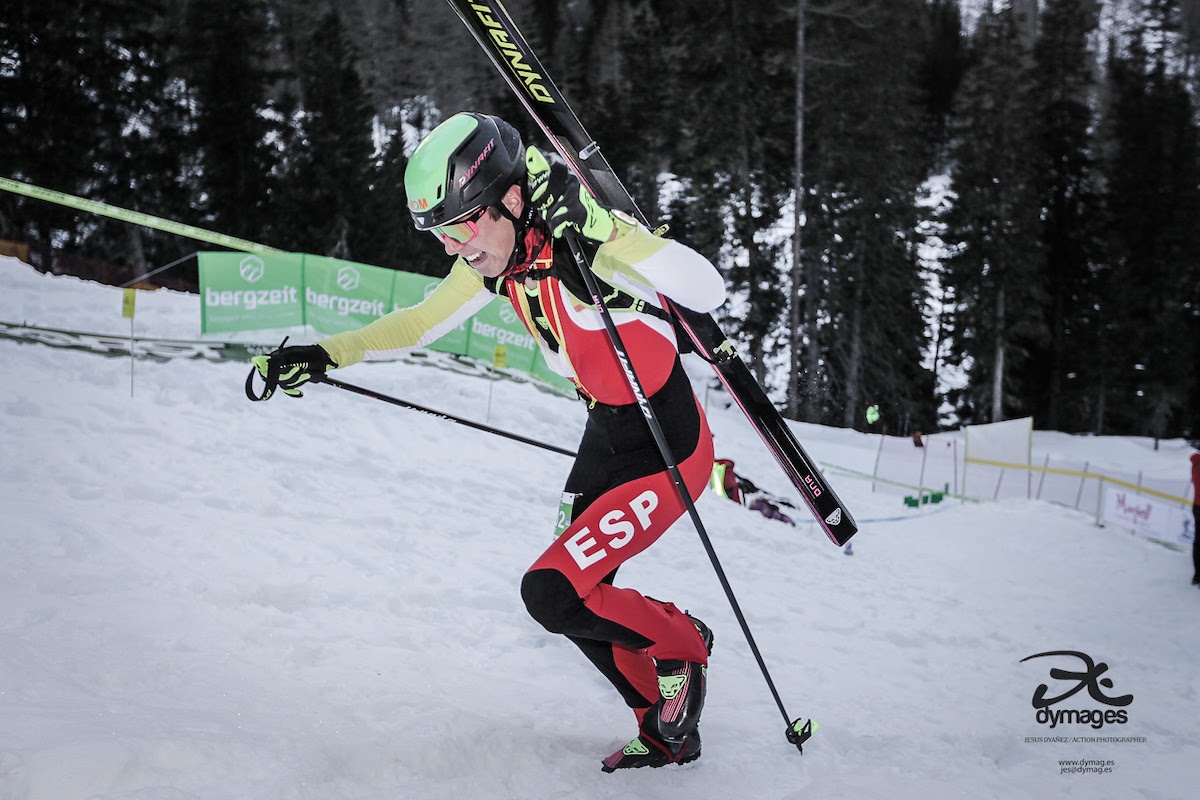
(208, 599)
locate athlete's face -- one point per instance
(489, 250)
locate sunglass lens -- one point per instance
(461, 232)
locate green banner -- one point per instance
(262, 287)
(497, 324)
(342, 295)
(245, 291)
(242, 292)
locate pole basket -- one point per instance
(800, 732)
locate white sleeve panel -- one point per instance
(683, 275)
(639, 260)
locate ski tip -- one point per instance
(840, 525)
(842, 533)
(837, 521)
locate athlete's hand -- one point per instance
(564, 202)
(289, 368)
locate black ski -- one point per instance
(491, 25)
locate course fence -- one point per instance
(997, 462)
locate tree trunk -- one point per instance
(1058, 346)
(743, 217)
(136, 253)
(854, 360)
(998, 375)
(795, 320)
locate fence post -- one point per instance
(1082, 480)
(955, 460)
(1042, 480)
(878, 454)
(921, 479)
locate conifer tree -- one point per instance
(1150, 298)
(865, 164)
(87, 107)
(223, 54)
(942, 64)
(993, 223)
(393, 241)
(1058, 369)
(724, 144)
(330, 157)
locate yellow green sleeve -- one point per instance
(456, 298)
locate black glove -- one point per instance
(289, 368)
(563, 201)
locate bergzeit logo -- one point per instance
(508, 314)
(1088, 678)
(348, 278)
(502, 335)
(251, 269)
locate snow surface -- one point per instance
(204, 598)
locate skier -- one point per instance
(771, 511)
(503, 210)
(726, 482)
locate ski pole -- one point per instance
(434, 412)
(414, 406)
(799, 730)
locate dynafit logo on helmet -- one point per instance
(487, 150)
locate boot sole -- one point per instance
(685, 760)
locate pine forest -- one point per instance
(959, 211)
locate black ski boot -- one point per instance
(648, 750)
(669, 733)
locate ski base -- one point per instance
(832, 515)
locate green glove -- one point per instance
(289, 368)
(563, 201)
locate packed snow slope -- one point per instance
(206, 599)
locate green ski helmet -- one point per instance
(464, 164)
